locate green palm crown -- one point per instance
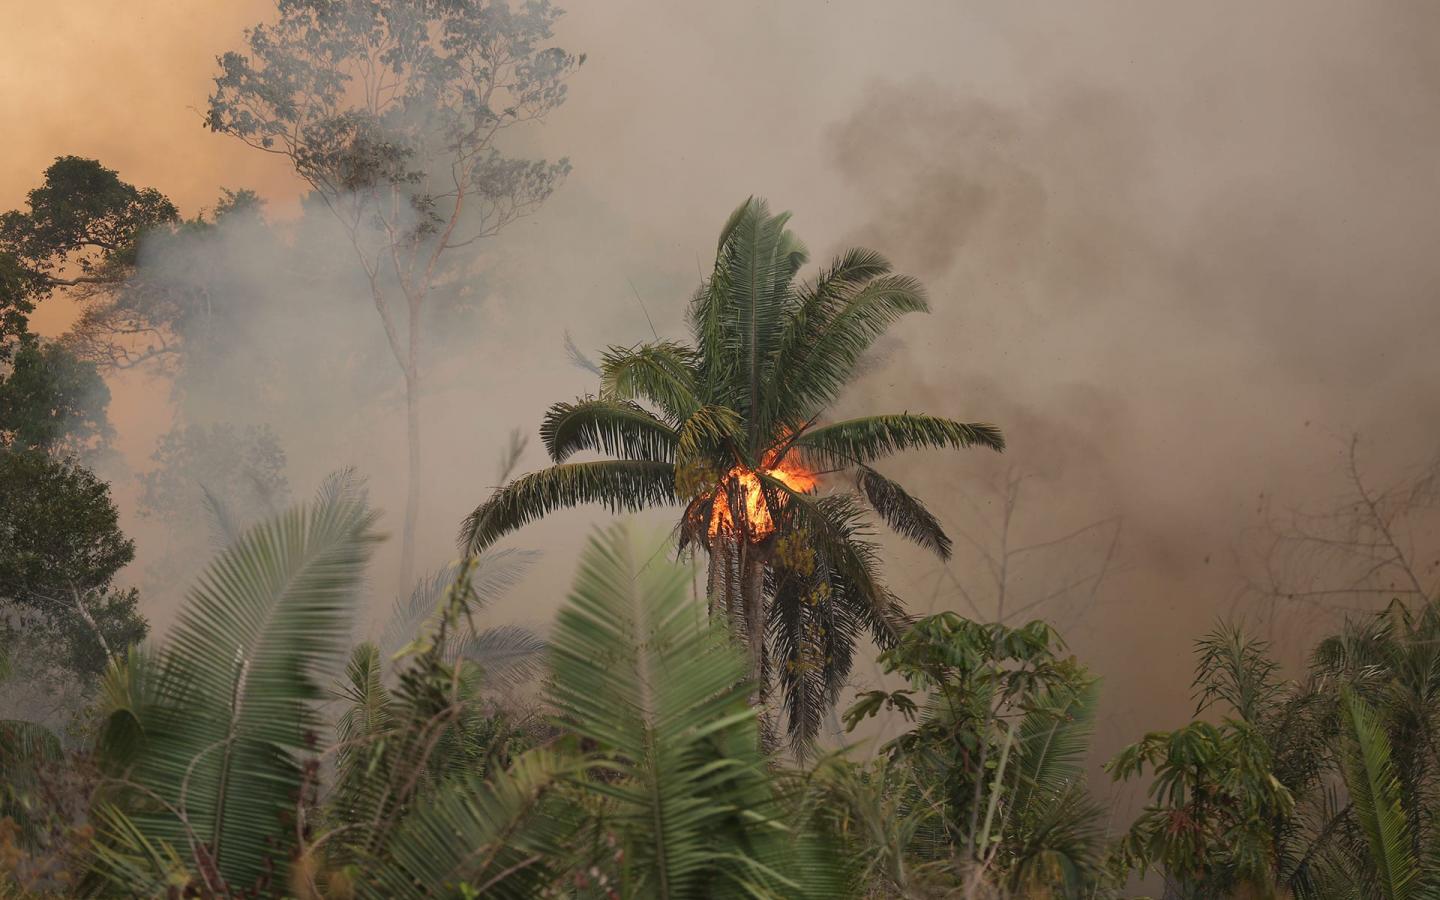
(731, 427)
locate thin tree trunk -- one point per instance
(90, 621)
(412, 481)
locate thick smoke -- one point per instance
(1173, 316)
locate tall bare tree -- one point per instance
(393, 113)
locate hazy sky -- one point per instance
(1178, 250)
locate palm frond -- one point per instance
(660, 372)
(578, 357)
(367, 713)
(1375, 799)
(833, 337)
(127, 861)
(638, 670)
(491, 575)
(615, 427)
(223, 526)
(128, 693)
(507, 654)
(863, 440)
(836, 526)
(1051, 746)
(813, 635)
(757, 295)
(1238, 670)
(343, 486)
(711, 431)
(238, 681)
(500, 837)
(618, 485)
(814, 305)
(905, 515)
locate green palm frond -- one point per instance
(1051, 746)
(905, 515)
(343, 486)
(836, 330)
(862, 441)
(814, 305)
(224, 528)
(615, 427)
(706, 433)
(507, 655)
(1375, 799)
(757, 292)
(128, 861)
(1238, 670)
(501, 837)
(618, 485)
(883, 814)
(128, 693)
(1061, 850)
(661, 372)
(367, 712)
(234, 705)
(638, 670)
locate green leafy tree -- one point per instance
(60, 550)
(986, 789)
(1218, 813)
(732, 431)
(80, 229)
(1316, 789)
(52, 401)
(394, 114)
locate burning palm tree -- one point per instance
(731, 428)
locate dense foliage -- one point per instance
(252, 754)
(60, 549)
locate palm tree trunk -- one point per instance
(716, 578)
(752, 597)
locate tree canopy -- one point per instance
(51, 400)
(81, 227)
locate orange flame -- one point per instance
(757, 512)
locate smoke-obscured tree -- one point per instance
(1376, 542)
(80, 229)
(50, 400)
(1010, 568)
(732, 432)
(394, 113)
(176, 310)
(211, 481)
(60, 550)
